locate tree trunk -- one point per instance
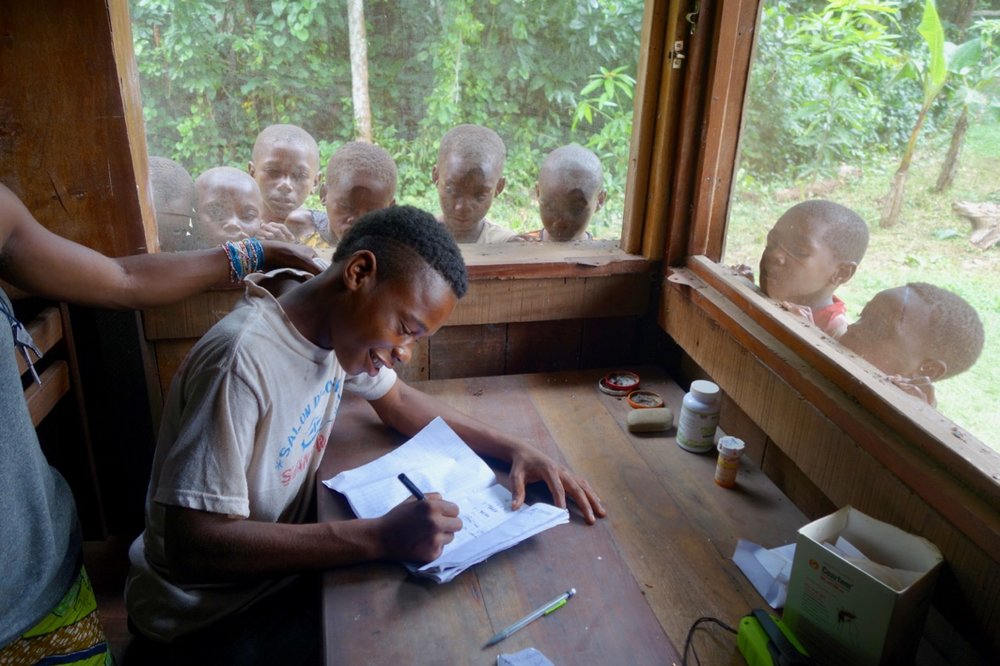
(359, 69)
(894, 200)
(950, 166)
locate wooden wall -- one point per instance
(72, 148)
(528, 309)
(72, 144)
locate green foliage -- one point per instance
(974, 68)
(818, 89)
(214, 73)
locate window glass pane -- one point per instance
(837, 93)
(214, 73)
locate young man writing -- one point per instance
(246, 421)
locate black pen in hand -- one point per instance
(412, 487)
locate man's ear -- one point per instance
(316, 179)
(500, 185)
(359, 270)
(251, 169)
(933, 368)
(538, 192)
(434, 174)
(601, 197)
(322, 194)
(845, 271)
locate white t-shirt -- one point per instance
(243, 431)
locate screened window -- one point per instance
(890, 110)
(214, 73)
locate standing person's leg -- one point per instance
(282, 628)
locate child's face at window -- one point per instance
(173, 222)
(286, 173)
(890, 332)
(566, 210)
(227, 211)
(465, 191)
(173, 230)
(350, 196)
(797, 265)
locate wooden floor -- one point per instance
(107, 566)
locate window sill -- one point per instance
(947, 467)
(546, 260)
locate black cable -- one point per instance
(688, 644)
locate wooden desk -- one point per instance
(658, 561)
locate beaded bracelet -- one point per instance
(245, 257)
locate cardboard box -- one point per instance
(848, 611)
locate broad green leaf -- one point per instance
(933, 33)
(965, 56)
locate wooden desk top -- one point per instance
(644, 574)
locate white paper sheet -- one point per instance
(437, 460)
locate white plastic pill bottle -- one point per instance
(699, 417)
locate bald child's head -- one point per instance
(360, 177)
(285, 165)
(227, 206)
(570, 190)
(173, 203)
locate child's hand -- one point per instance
(743, 271)
(300, 223)
(918, 387)
(803, 311)
(276, 231)
(418, 530)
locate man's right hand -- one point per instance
(417, 530)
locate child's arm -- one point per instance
(407, 410)
(45, 264)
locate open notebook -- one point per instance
(437, 460)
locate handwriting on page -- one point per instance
(480, 512)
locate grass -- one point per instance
(929, 244)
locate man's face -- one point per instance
(466, 191)
(286, 173)
(797, 264)
(891, 332)
(387, 318)
(565, 210)
(351, 195)
(227, 210)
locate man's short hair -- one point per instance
(955, 332)
(473, 143)
(364, 158)
(396, 234)
(845, 232)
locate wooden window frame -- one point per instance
(916, 468)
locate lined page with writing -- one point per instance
(437, 460)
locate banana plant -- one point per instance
(934, 76)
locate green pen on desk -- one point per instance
(556, 603)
